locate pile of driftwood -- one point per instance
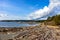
(38, 33)
(46, 34)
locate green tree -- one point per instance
(57, 19)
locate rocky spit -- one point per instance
(30, 33)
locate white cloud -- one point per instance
(39, 13)
(53, 8)
(5, 16)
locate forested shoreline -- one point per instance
(54, 20)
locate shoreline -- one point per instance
(31, 33)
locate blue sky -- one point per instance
(25, 9)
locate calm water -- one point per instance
(15, 24)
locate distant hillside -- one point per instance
(22, 20)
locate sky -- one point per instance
(28, 9)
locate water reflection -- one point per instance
(15, 24)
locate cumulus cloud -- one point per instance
(53, 9)
(39, 13)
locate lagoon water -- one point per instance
(15, 24)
